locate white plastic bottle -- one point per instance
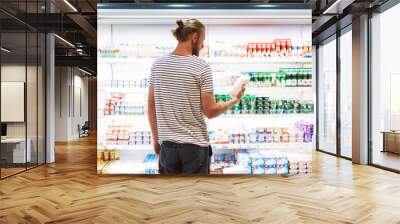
(243, 80)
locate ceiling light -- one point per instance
(70, 5)
(65, 41)
(179, 5)
(5, 50)
(86, 72)
(337, 7)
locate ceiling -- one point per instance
(76, 21)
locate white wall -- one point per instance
(33, 127)
(12, 73)
(80, 112)
(71, 94)
(62, 81)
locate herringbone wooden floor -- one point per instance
(70, 191)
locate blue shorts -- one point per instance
(186, 159)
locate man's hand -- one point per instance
(239, 94)
(157, 148)
(212, 109)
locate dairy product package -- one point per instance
(237, 87)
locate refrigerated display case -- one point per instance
(269, 132)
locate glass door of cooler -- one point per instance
(275, 117)
(269, 132)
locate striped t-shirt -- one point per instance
(177, 82)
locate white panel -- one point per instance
(159, 16)
(12, 101)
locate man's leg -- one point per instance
(194, 159)
(169, 160)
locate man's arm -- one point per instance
(151, 110)
(213, 109)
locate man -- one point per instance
(180, 94)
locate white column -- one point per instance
(50, 100)
(50, 92)
(360, 90)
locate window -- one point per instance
(327, 96)
(346, 93)
(385, 89)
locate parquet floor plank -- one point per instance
(70, 191)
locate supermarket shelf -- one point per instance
(129, 147)
(249, 90)
(224, 116)
(257, 60)
(263, 146)
(145, 61)
(219, 146)
(125, 119)
(122, 167)
(268, 90)
(135, 118)
(142, 116)
(125, 90)
(149, 61)
(262, 116)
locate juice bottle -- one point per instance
(268, 50)
(253, 104)
(278, 47)
(295, 77)
(261, 79)
(258, 105)
(267, 106)
(264, 50)
(289, 47)
(284, 135)
(248, 50)
(300, 77)
(283, 47)
(258, 49)
(305, 77)
(281, 79)
(273, 49)
(284, 77)
(268, 79)
(289, 78)
(268, 135)
(274, 79)
(106, 155)
(276, 135)
(281, 106)
(253, 79)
